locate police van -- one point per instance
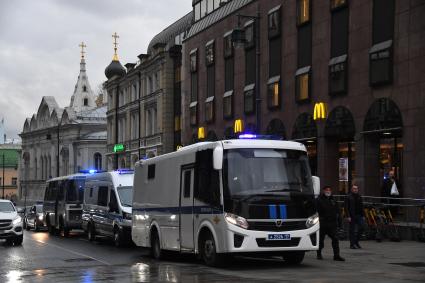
(107, 205)
(63, 200)
(227, 197)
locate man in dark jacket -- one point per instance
(354, 208)
(328, 210)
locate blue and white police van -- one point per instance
(227, 197)
(107, 205)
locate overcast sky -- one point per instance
(39, 53)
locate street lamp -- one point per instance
(239, 40)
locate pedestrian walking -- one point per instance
(328, 210)
(354, 208)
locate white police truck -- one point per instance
(227, 197)
(107, 205)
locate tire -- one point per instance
(294, 257)
(156, 251)
(18, 240)
(26, 226)
(118, 238)
(91, 232)
(208, 250)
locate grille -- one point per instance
(5, 224)
(263, 243)
(272, 227)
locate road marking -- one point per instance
(73, 252)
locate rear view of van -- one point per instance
(107, 207)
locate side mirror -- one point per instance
(218, 158)
(316, 185)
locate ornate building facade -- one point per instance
(144, 100)
(60, 141)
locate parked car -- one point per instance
(35, 217)
(10, 224)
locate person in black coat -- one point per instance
(354, 208)
(328, 210)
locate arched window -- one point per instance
(86, 102)
(97, 161)
(84, 88)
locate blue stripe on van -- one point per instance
(183, 210)
(273, 211)
(283, 214)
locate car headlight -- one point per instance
(312, 220)
(17, 220)
(236, 220)
(40, 217)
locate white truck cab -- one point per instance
(11, 225)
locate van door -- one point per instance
(102, 209)
(186, 209)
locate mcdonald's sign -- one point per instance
(238, 126)
(201, 133)
(320, 111)
(179, 147)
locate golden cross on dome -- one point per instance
(82, 45)
(115, 37)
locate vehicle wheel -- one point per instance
(91, 232)
(26, 226)
(18, 240)
(208, 250)
(118, 238)
(156, 246)
(294, 257)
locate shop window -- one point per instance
(381, 63)
(338, 75)
(273, 92)
(193, 113)
(228, 105)
(209, 109)
(274, 22)
(346, 166)
(303, 11)
(249, 99)
(303, 84)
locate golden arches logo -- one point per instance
(319, 111)
(238, 128)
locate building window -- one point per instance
(97, 161)
(381, 53)
(274, 22)
(249, 35)
(304, 46)
(273, 92)
(339, 49)
(228, 105)
(250, 54)
(303, 11)
(197, 12)
(84, 88)
(193, 109)
(209, 53)
(338, 75)
(14, 181)
(228, 45)
(194, 75)
(275, 62)
(209, 109)
(86, 102)
(249, 99)
(338, 3)
(229, 62)
(177, 123)
(303, 84)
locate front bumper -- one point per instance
(246, 241)
(12, 232)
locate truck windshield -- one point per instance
(126, 195)
(75, 190)
(6, 207)
(248, 172)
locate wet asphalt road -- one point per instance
(45, 258)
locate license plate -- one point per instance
(278, 237)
